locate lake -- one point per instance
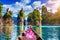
(48, 33)
(51, 32)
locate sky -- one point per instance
(29, 5)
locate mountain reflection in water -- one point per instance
(48, 33)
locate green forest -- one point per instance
(50, 18)
(46, 18)
(33, 17)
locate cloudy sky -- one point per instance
(29, 5)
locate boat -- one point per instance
(29, 34)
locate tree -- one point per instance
(46, 16)
(1, 10)
(30, 19)
(44, 9)
(44, 12)
(20, 19)
(34, 16)
(34, 19)
(21, 14)
(55, 19)
(1, 22)
(8, 14)
(8, 22)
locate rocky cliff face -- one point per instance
(21, 25)
(6, 27)
(8, 22)
(1, 22)
(1, 25)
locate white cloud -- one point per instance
(13, 7)
(36, 4)
(14, 15)
(16, 7)
(26, 1)
(28, 9)
(52, 5)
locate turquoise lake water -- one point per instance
(48, 33)
(51, 32)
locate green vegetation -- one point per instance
(45, 15)
(21, 14)
(21, 17)
(50, 18)
(1, 10)
(20, 23)
(34, 17)
(8, 14)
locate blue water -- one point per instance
(13, 34)
(51, 32)
(48, 33)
